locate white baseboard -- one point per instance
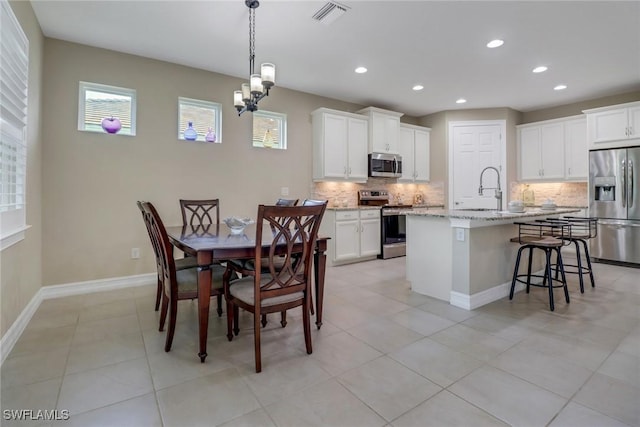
(470, 302)
(12, 335)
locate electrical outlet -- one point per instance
(460, 234)
(284, 191)
(135, 253)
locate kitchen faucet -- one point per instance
(498, 194)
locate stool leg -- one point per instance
(515, 274)
(557, 262)
(564, 277)
(579, 266)
(548, 274)
(529, 268)
(588, 257)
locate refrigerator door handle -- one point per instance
(630, 182)
(624, 183)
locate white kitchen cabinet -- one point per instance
(355, 234)
(414, 147)
(339, 146)
(384, 130)
(576, 150)
(614, 126)
(541, 149)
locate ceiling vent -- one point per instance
(330, 12)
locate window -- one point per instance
(205, 118)
(269, 130)
(98, 102)
(14, 77)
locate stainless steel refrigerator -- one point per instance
(614, 198)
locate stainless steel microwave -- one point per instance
(385, 165)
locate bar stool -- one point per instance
(546, 236)
(582, 229)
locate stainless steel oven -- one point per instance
(393, 233)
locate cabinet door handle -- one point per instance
(630, 130)
(349, 170)
(569, 171)
(345, 171)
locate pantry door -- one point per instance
(472, 147)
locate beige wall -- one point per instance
(576, 108)
(21, 264)
(92, 180)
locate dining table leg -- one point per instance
(205, 260)
(320, 264)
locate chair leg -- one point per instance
(173, 315)
(548, 274)
(158, 293)
(529, 268)
(564, 277)
(236, 320)
(283, 318)
(306, 321)
(264, 320)
(219, 305)
(230, 319)
(515, 272)
(588, 257)
(163, 312)
(579, 258)
(256, 341)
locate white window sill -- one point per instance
(13, 237)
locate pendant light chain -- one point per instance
(252, 39)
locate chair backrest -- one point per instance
(161, 241)
(287, 202)
(288, 255)
(147, 224)
(200, 212)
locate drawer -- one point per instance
(370, 213)
(346, 215)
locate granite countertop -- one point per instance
(351, 208)
(488, 215)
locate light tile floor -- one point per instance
(385, 357)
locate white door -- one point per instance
(335, 146)
(358, 144)
(473, 148)
(552, 151)
(405, 148)
(421, 155)
(576, 149)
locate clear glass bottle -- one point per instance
(528, 196)
(210, 136)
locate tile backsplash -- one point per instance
(338, 192)
(562, 193)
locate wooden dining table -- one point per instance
(215, 243)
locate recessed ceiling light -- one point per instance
(495, 43)
(361, 70)
(461, 101)
(560, 87)
(540, 69)
(418, 87)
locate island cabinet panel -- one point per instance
(339, 146)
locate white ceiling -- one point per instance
(593, 47)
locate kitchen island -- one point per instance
(466, 256)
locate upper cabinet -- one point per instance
(553, 150)
(339, 146)
(614, 126)
(414, 147)
(384, 130)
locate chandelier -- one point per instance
(259, 84)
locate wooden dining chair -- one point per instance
(287, 284)
(177, 284)
(181, 263)
(200, 212)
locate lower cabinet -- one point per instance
(355, 234)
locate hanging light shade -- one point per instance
(258, 87)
